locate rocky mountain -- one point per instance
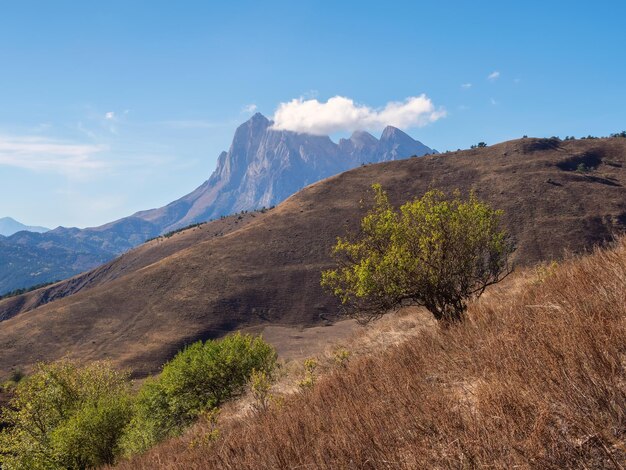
(262, 167)
(9, 226)
(257, 269)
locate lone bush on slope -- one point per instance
(434, 251)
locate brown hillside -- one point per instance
(140, 257)
(535, 379)
(268, 270)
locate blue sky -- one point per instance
(111, 107)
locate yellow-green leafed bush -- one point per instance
(435, 251)
(199, 378)
(66, 416)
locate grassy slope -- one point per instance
(535, 379)
(140, 309)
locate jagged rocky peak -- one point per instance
(259, 119)
(263, 166)
(393, 133)
(395, 144)
(251, 130)
(359, 141)
(246, 141)
(363, 138)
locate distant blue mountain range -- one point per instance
(9, 226)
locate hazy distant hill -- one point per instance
(262, 268)
(261, 168)
(9, 226)
(29, 258)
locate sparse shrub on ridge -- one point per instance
(24, 290)
(479, 145)
(435, 251)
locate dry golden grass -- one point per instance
(536, 378)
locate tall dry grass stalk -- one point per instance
(534, 379)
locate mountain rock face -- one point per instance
(265, 166)
(262, 168)
(9, 226)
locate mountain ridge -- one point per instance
(262, 167)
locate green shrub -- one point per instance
(151, 421)
(437, 252)
(308, 380)
(260, 386)
(582, 168)
(342, 356)
(479, 145)
(66, 416)
(199, 378)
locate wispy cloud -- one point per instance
(466, 86)
(109, 116)
(39, 154)
(493, 76)
(343, 114)
(249, 108)
(310, 94)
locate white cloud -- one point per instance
(249, 108)
(109, 116)
(466, 86)
(493, 75)
(342, 114)
(38, 154)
